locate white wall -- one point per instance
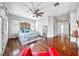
(47, 21)
(40, 23)
(78, 13)
(13, 27)
(14, 21)
(73, 18)
(50, 26)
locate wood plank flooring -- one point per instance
(14, 45)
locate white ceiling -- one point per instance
(22, 8)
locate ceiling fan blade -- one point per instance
(31, 10)
(36, 11)
(41, 13)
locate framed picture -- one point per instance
(24, 25)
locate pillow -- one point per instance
(25, 30)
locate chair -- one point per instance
(27, 52)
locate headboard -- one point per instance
(25, 25)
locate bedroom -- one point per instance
(27, 27)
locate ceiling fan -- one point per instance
(36, 13)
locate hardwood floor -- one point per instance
(63, 48)
(14, 47)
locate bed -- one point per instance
(27, 36)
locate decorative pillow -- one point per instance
(25, 30)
